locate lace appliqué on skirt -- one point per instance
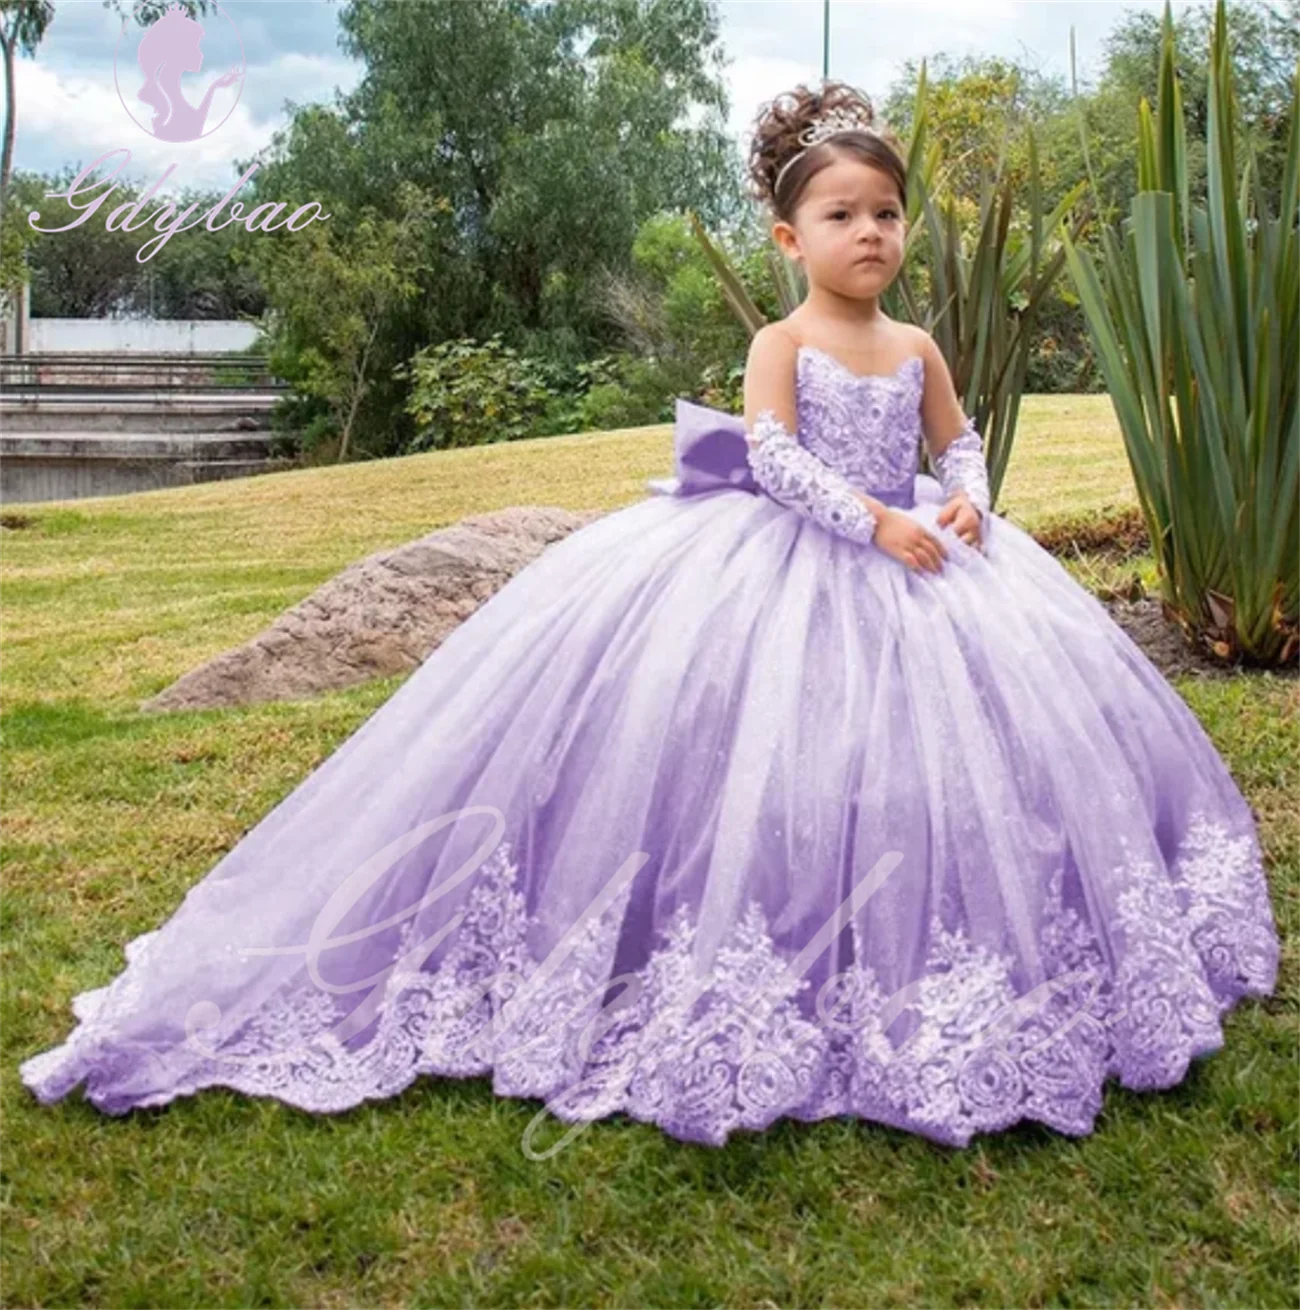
(703, 1056)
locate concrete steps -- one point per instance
(136, 445)
(137, 411)
(73, 465)
(73, 426)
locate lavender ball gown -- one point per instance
(939, 851)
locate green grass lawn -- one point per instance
(1181, 1198)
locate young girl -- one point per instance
(812, 788)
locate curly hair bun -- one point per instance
(780, 123)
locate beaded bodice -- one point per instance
(867, 427)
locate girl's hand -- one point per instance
(906, 540)
(964, 517)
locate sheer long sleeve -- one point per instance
(794, 477)
(961, 467)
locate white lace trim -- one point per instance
(702, 1058)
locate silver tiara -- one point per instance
(822, 128)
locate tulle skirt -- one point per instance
(709, 817)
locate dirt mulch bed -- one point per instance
(1119, 535)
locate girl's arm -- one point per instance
(789, 472)
(958, 459)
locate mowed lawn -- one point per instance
(1181, 1198)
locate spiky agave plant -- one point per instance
(984, 304)
(1195, 314)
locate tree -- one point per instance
(22, 28)
(1264, 41)
(978, 108)
(334, 290)
(549, 132)
(553, 130)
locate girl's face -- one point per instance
(849, 229)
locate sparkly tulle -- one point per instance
(713, 817)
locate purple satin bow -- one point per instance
(709, 453)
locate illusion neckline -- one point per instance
(859, 377)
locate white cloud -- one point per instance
(70, 118)
(68, 110)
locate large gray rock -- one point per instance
(380, 616)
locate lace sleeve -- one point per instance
(794, 477)
(961, 467)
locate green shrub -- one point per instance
(471, 393)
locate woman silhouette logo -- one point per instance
(170, 47)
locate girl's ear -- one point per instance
(783, 235)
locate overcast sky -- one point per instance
(69, 111)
